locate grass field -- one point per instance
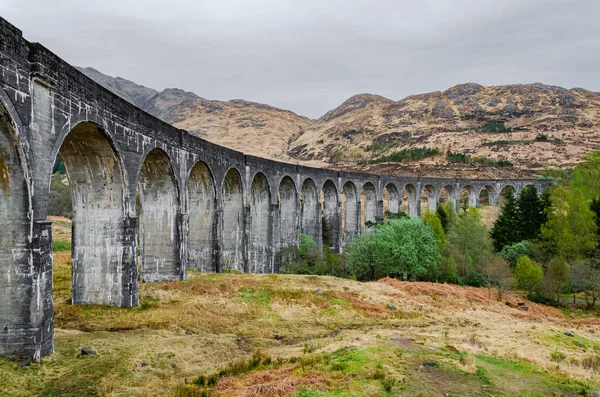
(274, 335)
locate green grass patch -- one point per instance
(61, 245)
(253, 296)
(407, 155)
(467, 159)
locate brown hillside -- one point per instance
(545, 127)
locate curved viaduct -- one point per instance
(143, 188)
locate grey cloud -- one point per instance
(309, 56)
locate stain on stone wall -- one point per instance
(260, 259)
(311, 212)
(232, 252)
(201, 215)
(158, 220)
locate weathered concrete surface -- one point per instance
(191, 203)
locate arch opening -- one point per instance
(410, 200)
(391, 200)
(261, 260)
(368, 200)
(504, 192)
(468, 197)
(311, 220)
(429, 199)
(288, 222)
(331, 221)
(350, 213)
(447, 195)
(201, 213)
(232, 252)
(102, 251)
(158, 217)
(488, 196)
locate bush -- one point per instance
(556, 279)
(528, 274)
(469, 247)
(407, 155)
(511, 253)
(465, 158)
(434, 221)
(359, 257)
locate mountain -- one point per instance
(531, 126)
(250, 127)
(534, 126)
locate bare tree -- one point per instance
(585, 278)
(497, 275)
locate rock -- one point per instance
(278, 337)
(392, 307)
(569, 333)
(143, 364)
(429, 364)
(319, 291)
(189, 333)
(595, 393)
(522, 306)
(86, 351)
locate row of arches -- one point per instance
(219, 229)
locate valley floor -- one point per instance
(286, 335)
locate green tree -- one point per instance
(511, 253)
(469, 247)
(557, 278)
(359, 258)
(570, 231)
(405, 247)
(443, 216)
(585, 278)
(530, 214)
(586, 176)
(506, 228)
(326, 232)
(308, 251)
(528, 274)
(433, 220)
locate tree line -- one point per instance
(545, 245)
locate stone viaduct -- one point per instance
(144, 189)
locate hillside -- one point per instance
(278, 335)
(534, 126)
(250, 127)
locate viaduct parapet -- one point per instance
(143, 188)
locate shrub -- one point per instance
(511, 253)
(556, 279)
(407, 155)
(359, 257)
(469, 247)
(528, 274)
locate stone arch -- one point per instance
(232, 252)
(391, 199)
(311, 220)
(504, 191)
(410, 200)
(488, 196)
(103, 258)
(27, 326)
(429, 197)
(447, 195)
(288, 220)
(260, 258)
(468, 197)
(159, 219)
(202, 203)
(369, 207)
(331, 216)
(350, 213)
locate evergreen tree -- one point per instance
(506, 228)
(443, 216)
(530, 214)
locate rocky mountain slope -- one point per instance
(250, 127)
(532, 126)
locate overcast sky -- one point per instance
(309, 56)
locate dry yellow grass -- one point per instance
(185, 329)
